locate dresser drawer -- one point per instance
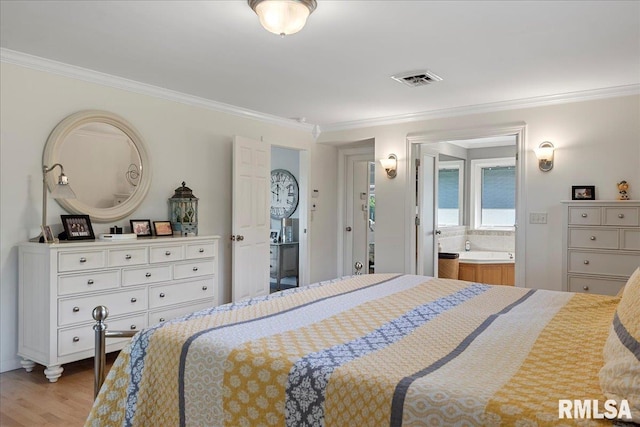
(177, 293)
(159, 316)
(594, 285)
(193, 269)
(127, 256)
(77, 261)
(201, 250)
(75, 310)
(166, 253)
(594, 238)
(621, 216)
(630, 239)
(584, 216)
(82, 338)
(86, 282)
(146, 274)
(615, 264)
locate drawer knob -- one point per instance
(134, 299)
(201, 250)
(592, 238)
(195, 268)
(76, 309)
(161, 294)
(167, 253)
(620, 215)
(586, 262)
(204, 288)
(585, 287)
(584, 215)
(127, 256)
(83, 259)
(133, 327)
(90, 282)
(76, 339)
(162, 319)
(147, 275)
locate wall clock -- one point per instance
(284, 194)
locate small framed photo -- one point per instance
(162, 228)
(141, 227)
(583, 192)
(274, 236)
(47, 234)
(77, 227)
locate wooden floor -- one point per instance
(29, 399)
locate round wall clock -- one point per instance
(284, 194)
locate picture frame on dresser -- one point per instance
(162, 228)
(583, 192)
(77, 227)
(141, 227)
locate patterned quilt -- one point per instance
(371, 350)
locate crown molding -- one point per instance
(539, 101)
(91, 76)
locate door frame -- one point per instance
(519, 129)
(346, 155)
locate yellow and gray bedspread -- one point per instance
(371, 350)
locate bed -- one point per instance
(370, 350)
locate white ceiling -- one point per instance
(336, 71)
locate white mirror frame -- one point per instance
(51, 156)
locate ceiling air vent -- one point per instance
(417, 78)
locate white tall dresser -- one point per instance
(601, 245)
(142, 282)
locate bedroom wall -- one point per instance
(186, 143)
(597, 143)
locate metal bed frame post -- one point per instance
(100, 314)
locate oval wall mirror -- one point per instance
(106, 161)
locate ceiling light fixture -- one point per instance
(283, 17)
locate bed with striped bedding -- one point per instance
(376, 350)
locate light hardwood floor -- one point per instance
(29, 399)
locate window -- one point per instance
(450, 194)
(493, 189)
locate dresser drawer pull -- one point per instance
(195, 268)
(161, 294)
(134, 299)
(147, 275)
(620, 216)
(584, 215)
(592, 238)
(76, 339)
(167, 253)
(90, 282)
(76, 309)
(83, 259)
(133, 327)
(204, 288)
(162, 319)
(586, 262)
(201, 250)
(127, 256)
(585, 288)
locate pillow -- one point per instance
(620, 375)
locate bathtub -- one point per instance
(482, 257)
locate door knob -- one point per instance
(239, 237)
(438, 232)
(348, 228)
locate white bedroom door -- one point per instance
(250, 218)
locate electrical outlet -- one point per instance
(313, 207)
(537, 218)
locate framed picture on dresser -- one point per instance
(77, 227)
(583, 192)
(141, 227)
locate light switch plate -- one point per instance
(537, 218)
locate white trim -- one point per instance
(475, 190)
(91, 76)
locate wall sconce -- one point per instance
(61, 190)
(283, 17)
(544, 153)
(390, 165)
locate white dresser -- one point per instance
(141, 282)
(601, 245)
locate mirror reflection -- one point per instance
(104, 163)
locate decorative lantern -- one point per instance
(183, 211)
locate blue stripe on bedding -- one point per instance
(397, 404)
(309, 376)
(625, 337)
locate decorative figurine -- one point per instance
(623, 188)
(183, 211)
